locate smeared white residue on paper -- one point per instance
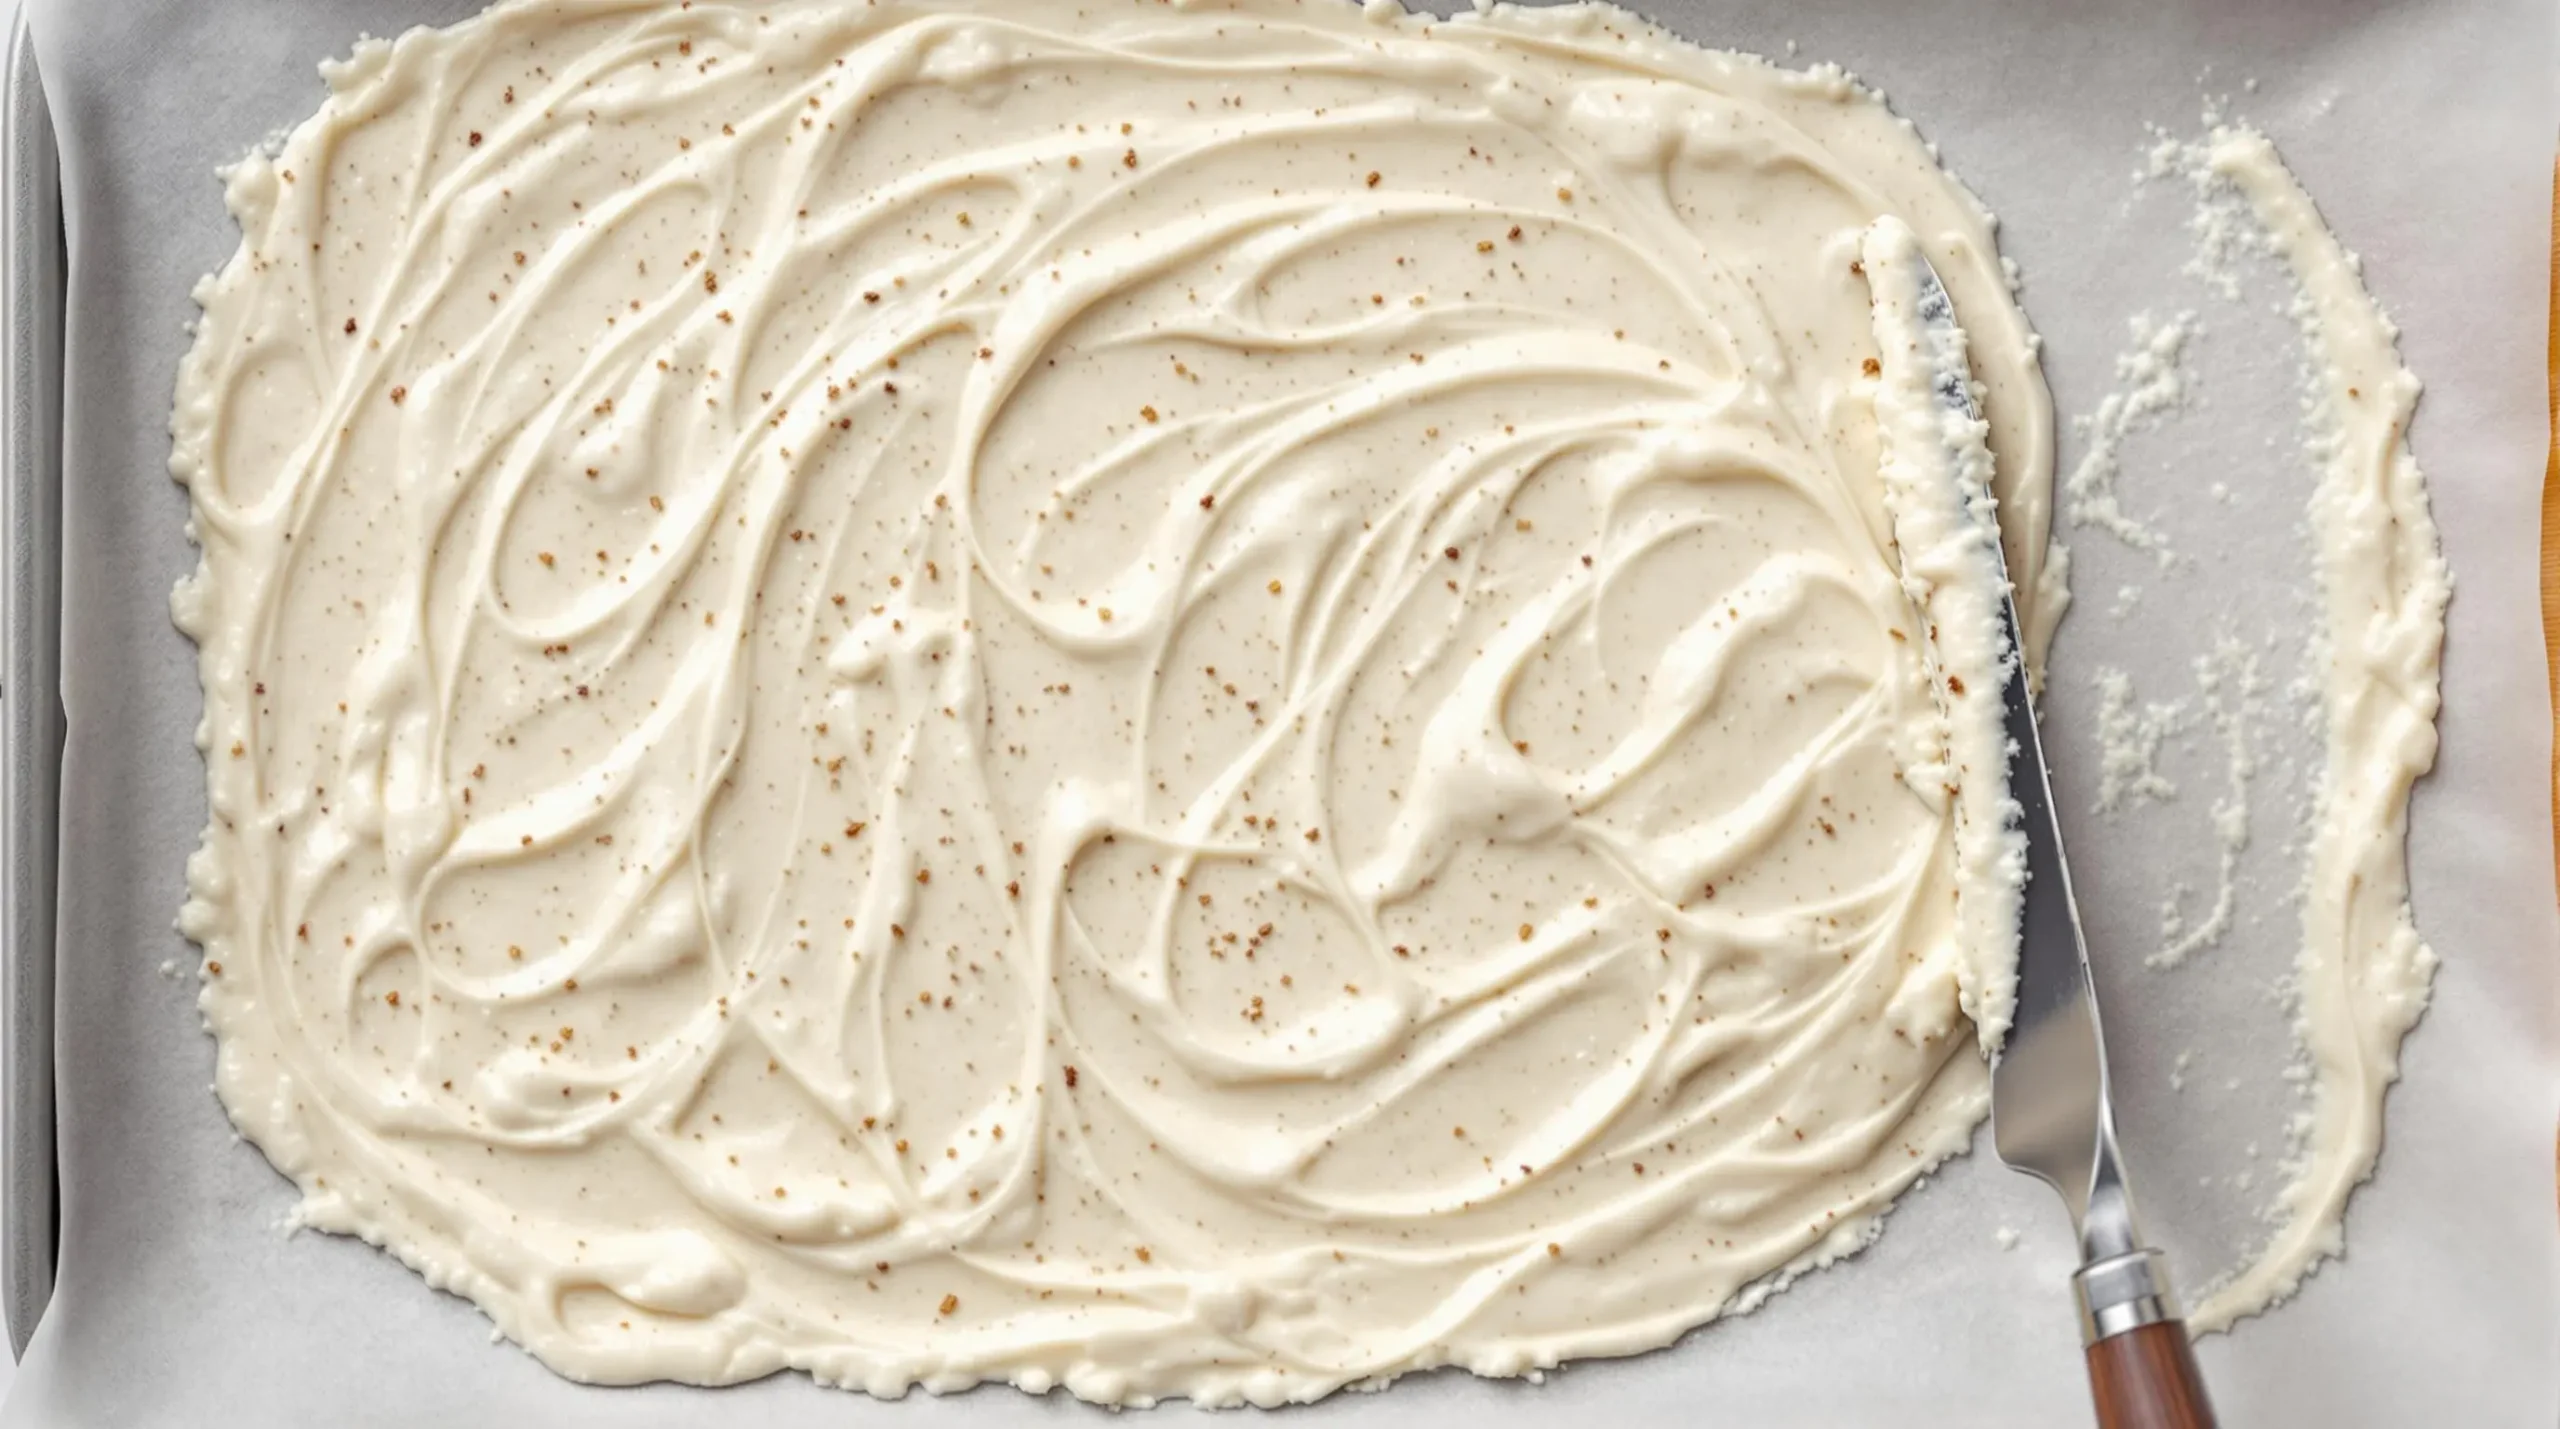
(2361, 977)
(2221, 227)
(2231, 690)
(2129, 738)
(2229, 696)
(2151, 382)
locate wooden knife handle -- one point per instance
(2146, 1379)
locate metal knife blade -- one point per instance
(2051, 1113)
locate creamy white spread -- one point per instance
(1936, 470)
(1202, 700)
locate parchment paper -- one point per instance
(2426, 131)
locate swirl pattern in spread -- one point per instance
(1181, 700)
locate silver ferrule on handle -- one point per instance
(2122, 1293)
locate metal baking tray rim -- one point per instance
(33, 264)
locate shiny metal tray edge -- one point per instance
(32, 291)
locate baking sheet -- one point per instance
(30, 677)
(2425, 129)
